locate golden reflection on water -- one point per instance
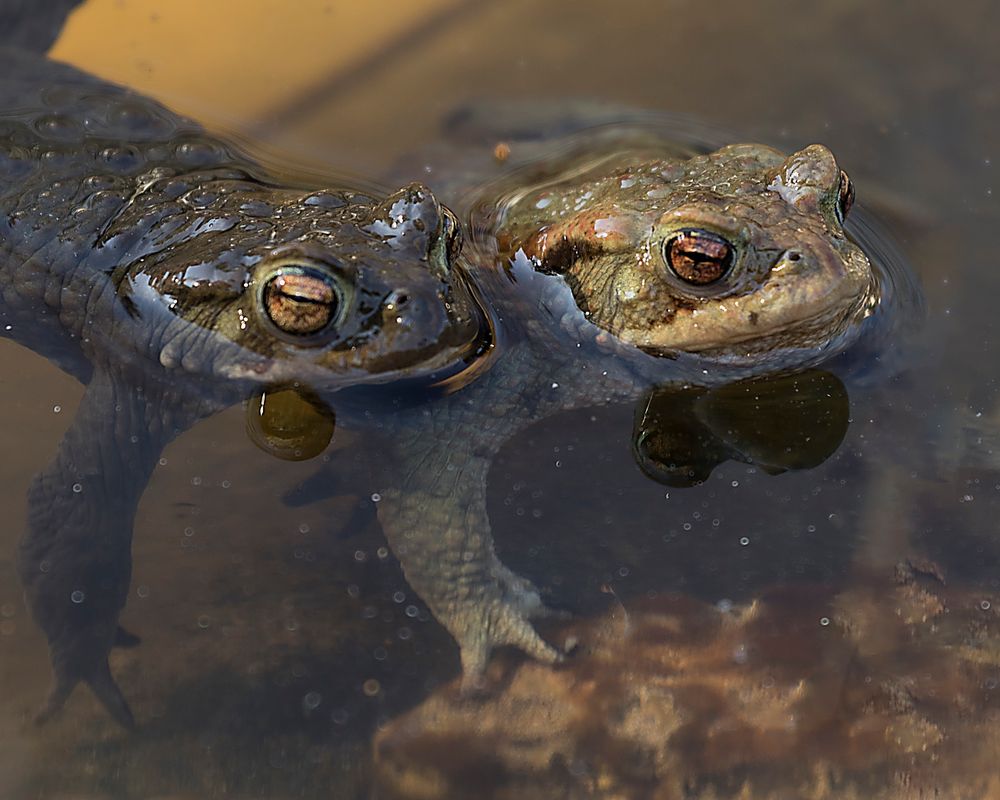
(231, 61)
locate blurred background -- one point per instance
(354, 84)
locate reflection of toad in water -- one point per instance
(883, 690)
(780, 423)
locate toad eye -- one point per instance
(845, 197)
(301, 300)
(698, 257)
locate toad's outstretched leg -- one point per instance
(433, 511)
(75, 559)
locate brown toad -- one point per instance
(740, 250)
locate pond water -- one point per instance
(824, 632)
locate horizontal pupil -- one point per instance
(301, 303)
(304, 287)
(699, 257)
(300, 299)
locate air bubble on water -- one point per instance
(380, 654)
(311, 701)
(411, 611)
(686, 526)
(724, 605)
(398, 597)
(353, 590)
(77, 488)
(226, 484)
(196, 481)
(8, 327)
(985, 605)
(371, 687)
(404, 633)
(824, 621)
(623, 572)
(339, 717)
(77, 596)
(734, 484)
(376, 497)
(744, 540)
(203, 621)
(382, 553)
(304, 527)
(189, 532)
(56, 409)
(360, 556)
(163, 462)
(142, 590)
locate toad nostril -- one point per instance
(793, 256)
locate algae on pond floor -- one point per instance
(886, 690)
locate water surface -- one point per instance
(279, 640)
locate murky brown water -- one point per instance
(262, 622)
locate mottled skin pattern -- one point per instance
(798, 293)
(796, 279)
(137, 252)
(129, 243)
(433, 487)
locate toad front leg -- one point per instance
(436, 522)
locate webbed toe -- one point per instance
(500, 623)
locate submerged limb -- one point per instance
(445, 547)
(111, 697)
(104, 687)
(75, 558)
(494, 622)
(80, 655)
